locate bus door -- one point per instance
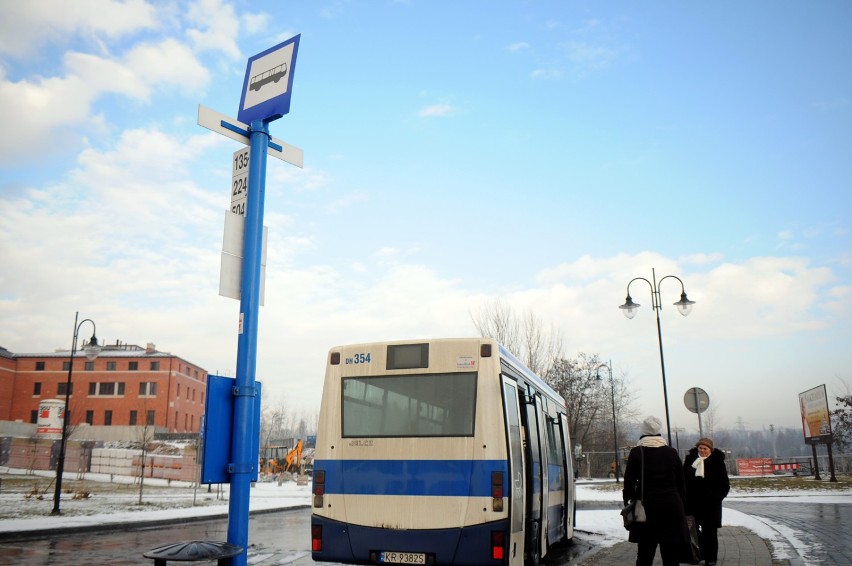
(570, 505)
(533, 454)
(516, 482)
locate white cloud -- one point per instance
(26, 25)
(218, 27)
(255, 23)
(42, 108)
(588, 57)
(101, 75)
(519, 46)
(168, 63)
(437, 110)
(546, 74)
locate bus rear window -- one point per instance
(409, 405)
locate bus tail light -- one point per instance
(497, 491)
(498, 545)
(319, 487)
(316, 538)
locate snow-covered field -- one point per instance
(115, 500)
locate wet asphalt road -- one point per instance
(275, 539)
(821, 528)
(284, 537)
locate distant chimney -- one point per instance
(150, 348)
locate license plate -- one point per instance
(402, 558)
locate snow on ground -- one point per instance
(181, 500)
(106, 508)
(607, 529)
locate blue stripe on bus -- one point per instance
(441, 478)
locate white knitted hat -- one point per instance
(651, 426)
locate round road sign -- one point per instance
(696, 400)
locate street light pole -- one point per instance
(614, 427)
(92, 350)
(684, 306)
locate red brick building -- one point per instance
(126, 385)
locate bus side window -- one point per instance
(553, 456)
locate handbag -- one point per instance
(692, 550)
(634, 512)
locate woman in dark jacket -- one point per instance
(662, 496)
(707, 485)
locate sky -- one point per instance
(543, 154)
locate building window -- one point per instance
(150, 420)
(37, 388)
(178, 391)
(132, 366)
(155, 366)
(39, 366)
(110, 366)
(176, 420)
(196, 374)
(62, 387)
(106, 388)
(133, 417)
(90, 366)
(107, 418)
(34, 416)
(90, 417)
(66, 366)
(148, 388)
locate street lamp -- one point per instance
(614, 428)
(92, 350)
(684, 307)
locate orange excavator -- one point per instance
(293, 461)
(274, 463)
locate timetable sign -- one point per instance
(239, 181)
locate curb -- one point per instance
(16, 536)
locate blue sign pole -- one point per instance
(246, 390)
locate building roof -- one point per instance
(117, 350)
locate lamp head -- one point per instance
(92, 349)
(684, 305)
(629, 307)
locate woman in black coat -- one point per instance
(662, 496)
(707, 485)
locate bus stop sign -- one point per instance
(268, 83)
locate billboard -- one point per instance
(755, 467)
(50, 415)
(816, 421)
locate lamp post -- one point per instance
(92, 350)
(684, 306)
(614, 427)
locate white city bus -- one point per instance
(439, 452)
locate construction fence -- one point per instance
(86, 457)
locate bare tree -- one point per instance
(584, 383)
(526, 336)
(145, 432)
(841, 416)
(577, 381)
